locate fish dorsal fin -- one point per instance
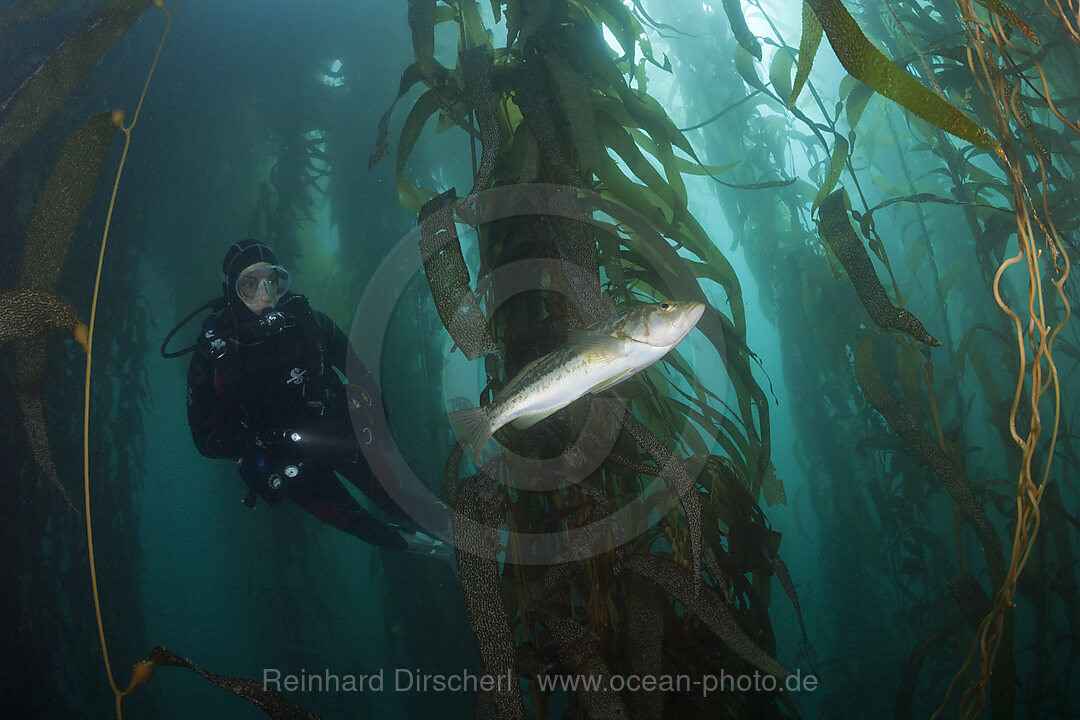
(518, 378)
(599, 347)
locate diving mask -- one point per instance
(273, 280)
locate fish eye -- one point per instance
(665, 306)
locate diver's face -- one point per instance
(257, 287)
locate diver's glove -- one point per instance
(420, 543)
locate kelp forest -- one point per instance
(854, 493)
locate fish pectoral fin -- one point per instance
(530, 419)
(473, 426)
(611, 382)
(599, 347)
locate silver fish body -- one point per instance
(593, 360)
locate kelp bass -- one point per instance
(593, 360)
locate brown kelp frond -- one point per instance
(422, 24)
(585, 542)
(908, 427)
(63, 200)
(808, 46)
(35, 307)
(481, 513)
(476, 69)
(409, 78)
(27, 313)
(865, 219)
(581, 653)
(840, 237)
(643, 642)
(970, 598)
(739, 29)
(448, 278)
(708, 606)
(910, 678)
(26, 10)
(531, 98)
(30, 390)
(269, 701)
(865, 62)
(680, 483)
(41, 94)
(784, 576)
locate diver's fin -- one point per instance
(599, 347)
(530, 419)
(421, 543)
(614, 381)
(472, 424)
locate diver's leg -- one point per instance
(426, 512)
(323, 495)
(359, 473)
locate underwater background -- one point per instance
(877, 482)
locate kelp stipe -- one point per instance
(551, 107)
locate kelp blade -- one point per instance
(840, 237)
(27, 313)
(53, 223)
(269, 701)
(26, 10)
(63, 200)
(50, 85)
(865, 62)
(808, 46)
(448, 278)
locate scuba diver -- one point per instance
(262, 391)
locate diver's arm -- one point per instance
(216, 432)
(334, 340)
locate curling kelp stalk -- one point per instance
(989, 51)
(140, 672)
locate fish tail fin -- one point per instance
(473, 425)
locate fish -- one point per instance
(599, 357)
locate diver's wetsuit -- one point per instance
(251, 384)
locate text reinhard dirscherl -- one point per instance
(415, 680)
